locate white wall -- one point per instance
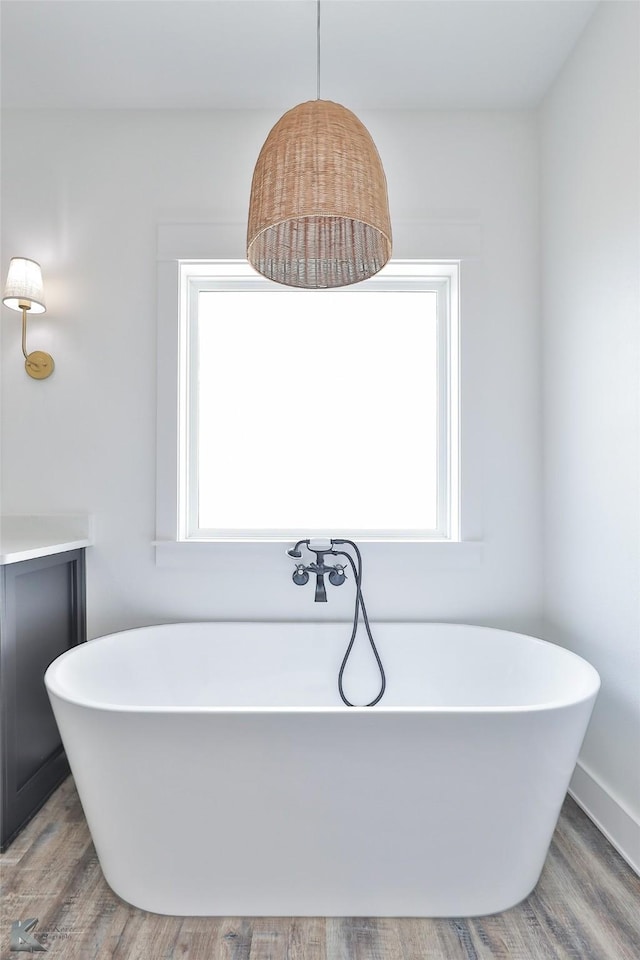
(83, 192)
(590, 256)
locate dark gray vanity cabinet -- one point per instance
(42, 614)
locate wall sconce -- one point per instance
(24, 291)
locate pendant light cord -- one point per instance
(318, 52)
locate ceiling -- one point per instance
(192, 54)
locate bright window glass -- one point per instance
(320, 411)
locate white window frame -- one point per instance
(179, 521)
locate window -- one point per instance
(318, 412)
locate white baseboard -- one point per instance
(609, 816)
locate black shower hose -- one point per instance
(357, 573)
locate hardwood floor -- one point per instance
(585, 907)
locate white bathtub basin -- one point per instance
(221, 775)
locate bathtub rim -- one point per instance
(556, 704)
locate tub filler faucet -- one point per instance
(321, 547)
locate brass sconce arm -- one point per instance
(38, 364)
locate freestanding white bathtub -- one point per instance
(221, 775)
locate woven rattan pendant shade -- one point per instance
(319, 213)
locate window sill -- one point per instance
(434, 554)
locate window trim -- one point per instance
(176, 512)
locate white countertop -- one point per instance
(27, 537)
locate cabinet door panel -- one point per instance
(42, 614)
(43, 632)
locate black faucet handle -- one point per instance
(300, 576)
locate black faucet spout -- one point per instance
(321, 590)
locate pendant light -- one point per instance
(318, 212)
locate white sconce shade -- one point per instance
(24, 285)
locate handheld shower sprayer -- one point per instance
(323, 546)
(315, 544)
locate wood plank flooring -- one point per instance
(585, 907)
